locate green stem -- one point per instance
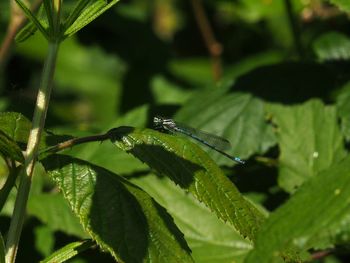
(294, 27)
(41, 106)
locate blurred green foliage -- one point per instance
(283, 101)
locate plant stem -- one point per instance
(41, 106)
(213, 46)
(16, 22)
(295, 28)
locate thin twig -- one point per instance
(75, 141)
(213, 46)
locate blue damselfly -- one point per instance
(214, 142)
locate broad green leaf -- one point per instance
(89, 14)
(9, 148)
(319, 206)
(197, 71)
(33, 19)
(210, 239)
(190, 167)
(55, 213)
(94, 78)
(332, 46)
(2, 249)
(343, 5)
(68, 251)
(238, 117)
(121, 217)
(17, 128)
(166, 92)
(309, 139)
(15, 125)
(251, 62)
(44, 239)
(343, 110)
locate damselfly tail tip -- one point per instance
(239, 160)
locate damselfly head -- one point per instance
(161, 123)
(158, 122)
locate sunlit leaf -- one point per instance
(89, 14)
(44, 239)
(68, 251)
(166, 92)
(320, 206)
(9, 148)
(332, 46)
(343, 5)
(343, 110)
(15, 125)
(76, 12)
(309, 139)
(238, 117)
(191, 168)
(55, 213)
(33, 19)
(210, 239)
(121, 217)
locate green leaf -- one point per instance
(210, 239)
(197, 71)
(93, 78)
(27, 31)
(343, 110)
(165, 92)
(190, 167)
(121, 217)
(89, 14)
(319, 206)
(15, 126)
(55, 213)
(332, 46)
(252, 62)
(310, 141)
(44, 239)
(33, 19)
(238, 117)
(49, 10)
(68, 251)
(9, 148)
(30, 28)
(343, 5)
(75, 13)
(2, 250)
